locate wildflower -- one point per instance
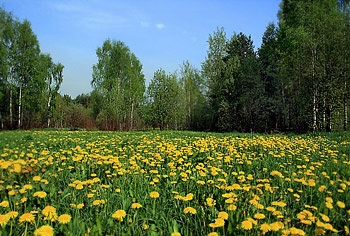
(190, 210)
(4, 219)
(50, 213)
(45, 230)
(232, 207)
(154, 194)
(295, 231)
(340, 204)
(136, 205)
(213, 234)
(64, 219)
(219, 222)
(324, 217)
(265, 228)
(280, 204)
(175, 234)
(12, 192)
(96, 202)
(26, 218)
(210, 202)
(4, 204)
(259, 216)
(223, 215)
(79, 187)
(119, 215)
(275, 226)
(247, 225)
(40, 194)
(12, 214)
(36, 178)
(80, 205)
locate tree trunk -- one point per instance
(48, 111)
(132, 115)
(314, 126)
(20, 108)
(345, 121)
(11, 103)
(328, 119)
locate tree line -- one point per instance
(296, 81)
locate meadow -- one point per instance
(173, 183)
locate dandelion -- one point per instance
(45, 230)
(340, 204)
(275, 226)
(26, 218)
(232, 207)
(223, 215)
(64, 219)
(154, 194)
(175, 234)
(40, 194)
(210, 202)
(79, 187)
(136, 205)
(119, 215)
(4, 204)
(219, 222)
(265, 228)
(259, 216)
(296, 231)
(4, 219)
(80, 206)
(247, 225)
(213, 234)
(12, 214)
(190, 210)
(50, 213)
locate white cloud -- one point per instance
(160, 26)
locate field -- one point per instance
(173, 183)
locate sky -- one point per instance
(161, 33)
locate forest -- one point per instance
(296, 81)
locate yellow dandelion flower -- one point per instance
(26, 218)
(232, 207)
(247, 225)
(329, 205)
(145, 226)
(320, 231)
(136, 205)
(324, 217)
(346, 230)
(213, 234)
(12, 192)
(64, 219)
(340, 204)
(210, 202)
(119, 215)
(40, 194)
(270, 208)
(154, 194)
(4, 204)
(280, 204)
(190, 210)
(259, 216)
(275, 226)
(79, 187)
(117, 190)
(175, 234)
(296, 231)
(50, 213)
(36, 178)
(90, 195)
(96, 202)
(12, 214)
(4, 219)
(219, 222)
(45, 230)
(265, 228)
(80, 205)
(223, 215)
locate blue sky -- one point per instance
(161, 33)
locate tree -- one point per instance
(119, 79)
(194, 102)
(164, 101)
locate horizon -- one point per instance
(161, 34)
